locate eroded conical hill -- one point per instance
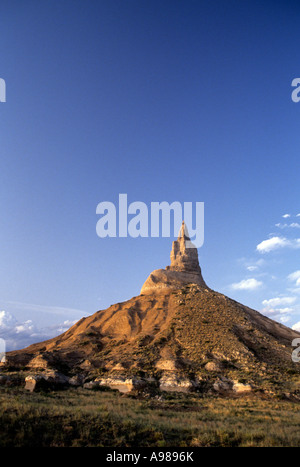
(179, 329)
(183, 331)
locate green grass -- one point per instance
(78, 417)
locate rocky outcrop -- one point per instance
(121, 383)
(39, 361)
(77, 380)
(213, 366)
(184, 268)
(43, 381)
(172, 382)
(222, 385)
(241, 387)
(164, 364)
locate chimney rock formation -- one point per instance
(179, 337)
(184, 269)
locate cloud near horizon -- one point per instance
(277, 301)
(279, 308)
(296, 326)
(18, 335)
(275, 308)
(247, 284)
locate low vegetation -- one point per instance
(78, 417)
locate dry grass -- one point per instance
(93, 418)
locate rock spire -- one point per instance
(184, 255)
(184, 268)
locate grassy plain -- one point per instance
(79, 417)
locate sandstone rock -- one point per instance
(40, 361)
(240, 387)
(122, 383)
(213, 366)
(184, 255)
(56, 378)
(184, 269)
(86, 365)
(164, 364)
(222, 385)
(118, 367)
(173, 382)
(34, 383)
(76, 380)
(50, 380)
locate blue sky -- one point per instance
(165, 101)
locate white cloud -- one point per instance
(274, 311)
(7, 320)
(277, 301)
(284, 319)
(27, 326)
(18, 335)
(285, 310)
(64, 327)
(295, 276)
(277, 242)
(296, 326)
(286, 215)
(271, 244)
(247, 284)
(254, 265)
(252, 268)
(293, 225)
